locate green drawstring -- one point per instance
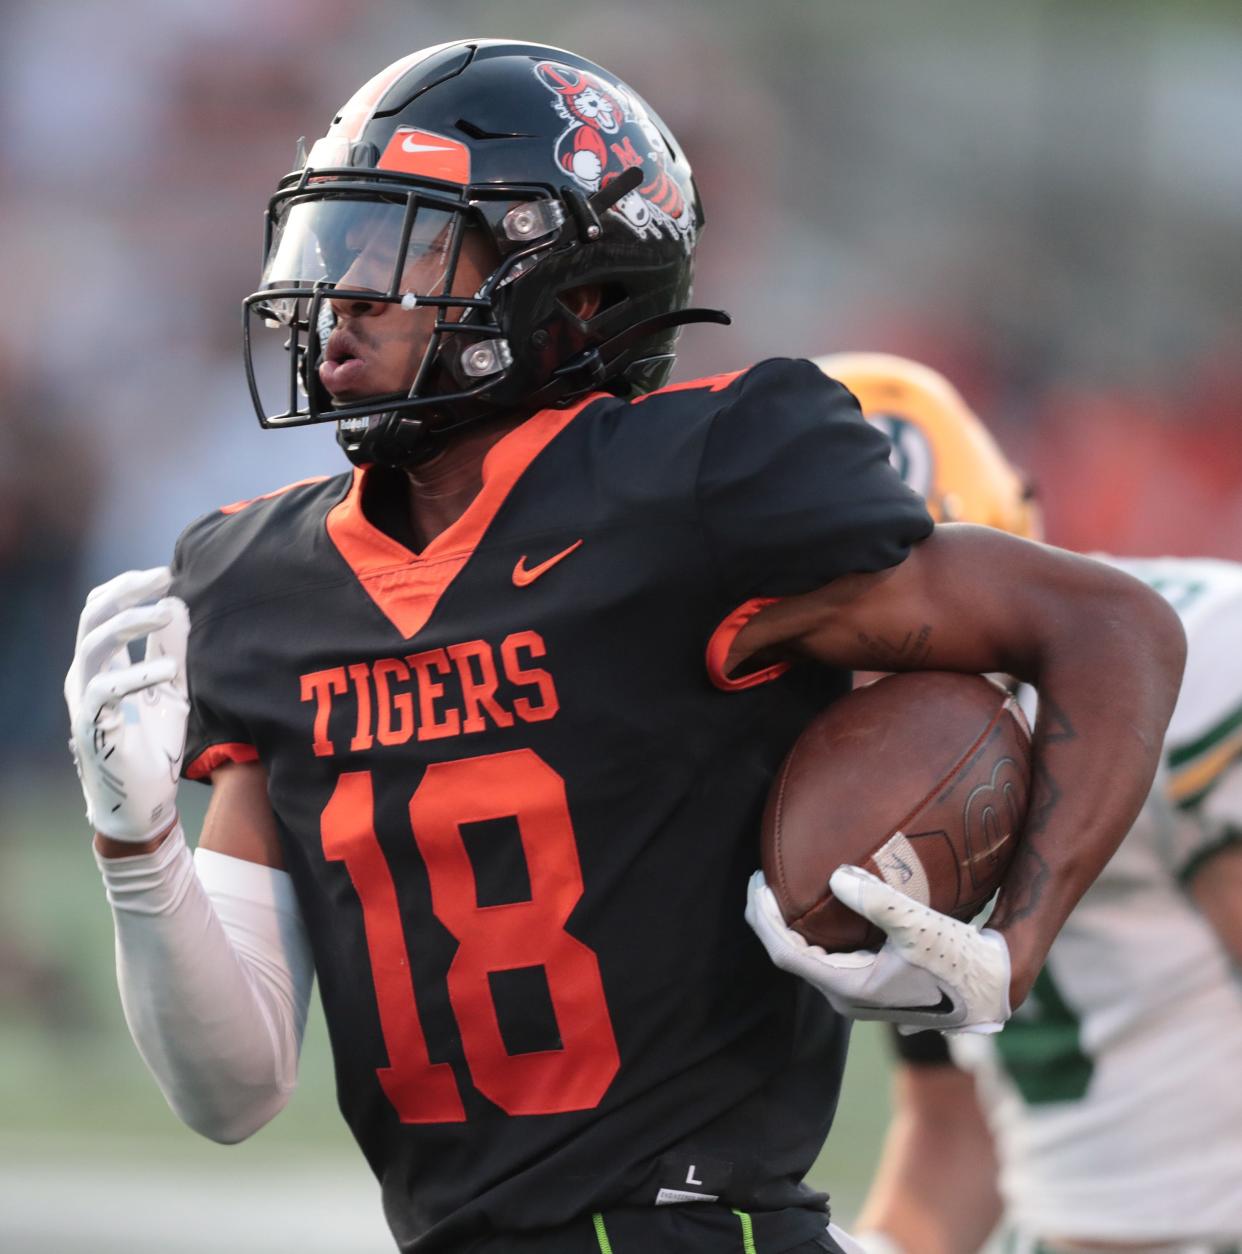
(748, 1232)
(601, 1234)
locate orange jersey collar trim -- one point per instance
(407, 586)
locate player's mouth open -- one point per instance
(343, 365)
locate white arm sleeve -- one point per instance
(215, 976)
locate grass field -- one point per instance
(91, 1158)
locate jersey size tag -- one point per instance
(685, 1177)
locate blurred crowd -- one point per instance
(1039, 204)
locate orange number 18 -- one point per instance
(518, 785)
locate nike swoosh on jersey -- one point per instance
(944, 1006)
(523, 576)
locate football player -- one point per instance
(1105, 1115)
(489, 721)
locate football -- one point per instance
(921, 778)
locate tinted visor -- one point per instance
(354, 244)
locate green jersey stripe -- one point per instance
(1213, 736)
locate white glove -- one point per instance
(933, 972)
(128, 720)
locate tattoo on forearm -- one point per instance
(910, 653)
(1024, 885)
(1054, 724)
(1024, 888)
(1029, 874)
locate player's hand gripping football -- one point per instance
(128, 719)
(932, 972)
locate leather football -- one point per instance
(921, 778)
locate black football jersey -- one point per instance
(520, 800)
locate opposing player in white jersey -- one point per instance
(1108, 1113)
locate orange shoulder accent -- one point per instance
(238, 506)
(408, 586)
(218, 755)
(712, 382)
(722, 641)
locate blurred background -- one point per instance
(1042, 200)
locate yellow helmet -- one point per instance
(940, 448)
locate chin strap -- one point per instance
(411, 440)
(592, 367)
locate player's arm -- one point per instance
(1216, 887)
(1203, 757)
(1210, 868)
(934, 1190)
(213, 963)
(1104, 651)
(239, 821)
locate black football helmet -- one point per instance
(573, 179)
